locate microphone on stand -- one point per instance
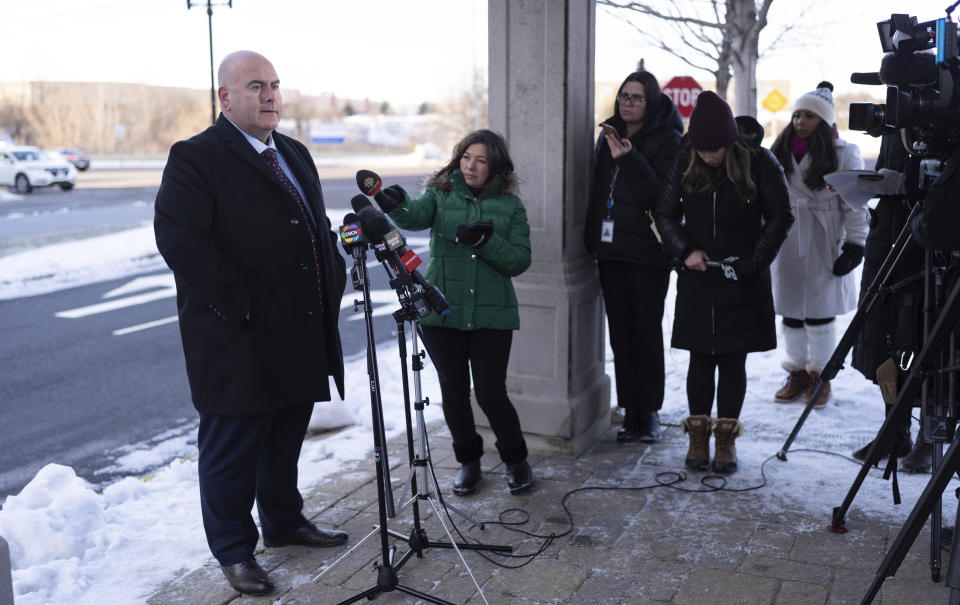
(351, 235)
(387, 240)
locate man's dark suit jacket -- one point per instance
(237, 244)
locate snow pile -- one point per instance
(70, 544)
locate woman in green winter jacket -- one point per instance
(479, 239)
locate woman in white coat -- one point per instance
(812, 280)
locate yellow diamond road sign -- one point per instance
(774, 101)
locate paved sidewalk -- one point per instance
(627, 547)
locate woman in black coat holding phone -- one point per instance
(723, 201)
(633, 156)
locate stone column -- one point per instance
(6, 583)
(541, 100)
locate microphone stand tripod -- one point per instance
(386, 569)
(422, 477)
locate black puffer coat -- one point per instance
(715, 315)
(895, 323)
(639, 176)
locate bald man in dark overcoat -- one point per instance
(240, 220)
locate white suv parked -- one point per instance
(22, 168)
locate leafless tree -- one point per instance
(720, 37)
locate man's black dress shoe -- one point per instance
(519, 477)
(628, 432)
(467, 478)
(648, 427)
(309, 535)
(247, 577)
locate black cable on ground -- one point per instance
(708, 483)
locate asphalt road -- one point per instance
(90, 371)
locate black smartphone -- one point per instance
(608, 129)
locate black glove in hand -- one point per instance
(476, 234)
(745, 267)
(389, 199)
(848, 260)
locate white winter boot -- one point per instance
(822, 342)
(795, 349)
(795, 362)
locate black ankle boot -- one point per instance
(648, 427)
(467, 478)
(919, 460)
(904, 445)
(519, 477)
(629, 431)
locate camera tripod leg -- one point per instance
(835, 363)
(953, 571)
(936, 525)
(914, 523)
(932, 346)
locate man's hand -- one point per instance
(696, 261)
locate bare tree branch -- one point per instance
(720, 37)
(659, 43)
(798, 25)
(645, 9)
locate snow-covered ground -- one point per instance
(71, 544)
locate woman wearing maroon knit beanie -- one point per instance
(723, 213)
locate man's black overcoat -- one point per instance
(238, 244)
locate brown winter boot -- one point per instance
(795, 386)
(725, 433)
(824, 397)
(698, 455)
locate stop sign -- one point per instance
(683, 91)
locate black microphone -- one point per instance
(388, 241)
(384, 236)
(379, 227)
(351, 234)
(371, 184)
(870, 78)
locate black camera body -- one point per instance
(923, 87)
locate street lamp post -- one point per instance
(213, 84)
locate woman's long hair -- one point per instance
(700, 178)
(498, 159)
(823, 154)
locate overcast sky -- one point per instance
(403, 51)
